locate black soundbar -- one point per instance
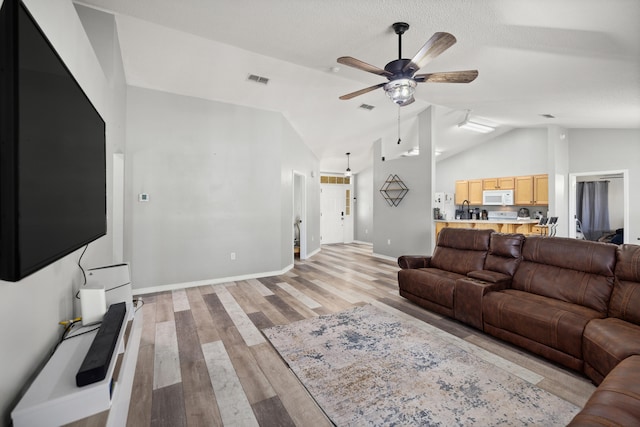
(96, 363)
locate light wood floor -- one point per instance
(204, 362)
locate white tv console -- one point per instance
(55, 399)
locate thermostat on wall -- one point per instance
(143, 197)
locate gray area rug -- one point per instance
(365, 366)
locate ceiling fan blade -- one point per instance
(361, 91)
(356, 63)
(466, 76)
(438, 43)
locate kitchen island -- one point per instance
(524, 226)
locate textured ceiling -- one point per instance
(576, 59)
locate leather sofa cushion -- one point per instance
(490, 276)
(505, 252)
(616, 402)
(608, 341)
(430, 284)
(553, 323)
(590, 257)
(461, 250)
(625, 299)
(569, 270)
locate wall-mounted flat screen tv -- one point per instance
(52, 152)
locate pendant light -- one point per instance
(399, 140)
(348, 171)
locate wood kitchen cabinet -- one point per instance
(475, 192)
(506, 183)
(541, 190)
(532, 190)
(470, 190)
(462, 192)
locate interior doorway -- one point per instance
(618, 198)
(299, 219)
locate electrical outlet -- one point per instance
(366, 231)
(388, 241)
(233, 256)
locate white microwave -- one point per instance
(497, 197)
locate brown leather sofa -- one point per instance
(430, 281)
(572, 301)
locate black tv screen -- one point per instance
(52, 152)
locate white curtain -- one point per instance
(592, 208)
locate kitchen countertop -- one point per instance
(491, 221)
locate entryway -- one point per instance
(618, 201)
(336, 220)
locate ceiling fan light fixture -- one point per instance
(400, 90)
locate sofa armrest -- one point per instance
(468, 295)
(489, 276)
(414, 261)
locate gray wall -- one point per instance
(610, 149)
(407, 228)
(363, 206)
(518, 152)
(32, 308)
(220, 181)
(296, 156)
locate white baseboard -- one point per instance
(388, 258)
(360, 242)
(313, 253)
(218, 281)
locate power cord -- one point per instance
(82, 269)
(138, 302)
(68, 325)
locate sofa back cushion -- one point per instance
(461, 250)
(575, 271)
(505, 253)
(625, 299)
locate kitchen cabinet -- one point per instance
(506, 183)
(475, 192)
(462, 192)
(541, 190)
(532, 190)
(470, 190)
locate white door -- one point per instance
(332, 213)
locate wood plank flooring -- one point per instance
(204, 362)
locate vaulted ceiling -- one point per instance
(578, 60)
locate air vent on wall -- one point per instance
(258, 79)
(367, 107)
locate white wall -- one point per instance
(32, 308)
(219, 180)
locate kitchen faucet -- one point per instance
(468, 209)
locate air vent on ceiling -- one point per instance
(367, 107)
(258, 79)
